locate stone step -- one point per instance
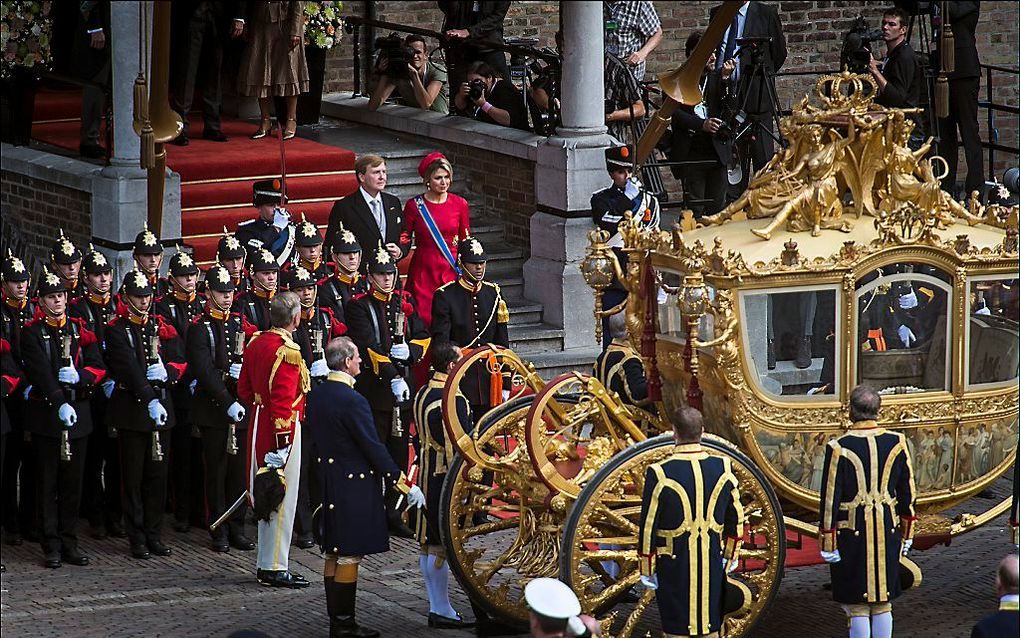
(512, 289)
(552, 364)
(524, 312)
(535, 338)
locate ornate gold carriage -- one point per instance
(844, 263)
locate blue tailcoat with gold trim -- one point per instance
(691, 518)
(867, 511)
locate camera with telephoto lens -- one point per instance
(476, 88)
(396, 54)
(856, 52)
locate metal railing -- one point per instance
(992, 143)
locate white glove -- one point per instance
(907, 544)
(662, 297)
(156, 372)
(236, 412)
(68, 375)
(319, 368)
(400, 351)
(277, 458)
(67, 415)
(234, 372)
(108, 387)
(415, 498)
(27, 392)
(192, 386)
(908, 300)
(399, 388)
(830, 557)
(729, 566)
(651, 582)
(906, 336)
(505, 395)
(157, 413)
(280, 217)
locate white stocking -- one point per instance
(441, 587)
(423, 565)
(860, 627)
(881, 625)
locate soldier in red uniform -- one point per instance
(274, 380)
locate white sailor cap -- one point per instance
(551, 598)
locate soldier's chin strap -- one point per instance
(474, 282)
(141, 315)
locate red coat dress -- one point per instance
(274, 381)
(429, 269)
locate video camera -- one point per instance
(856, 52)
(396, 54)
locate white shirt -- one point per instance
(375, 206)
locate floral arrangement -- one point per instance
(323, 25)
(25, 35)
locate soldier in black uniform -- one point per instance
(254, 304)
(231, 255)
(148, 256)
(620, 368)
(101, 503)
(610, 205)
(63, 365)
(318, 326)
(143, 355)
(272, 229)
(434, 459)
(346, 280)
(351, 517)
(17, 309)
(867, 522)
(179, 307)
(308, 252)
(65, 262)
(392, 338)
(215, 345)
(470, 312)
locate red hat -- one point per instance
(424, 164)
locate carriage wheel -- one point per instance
(599, 554)
(500, 526)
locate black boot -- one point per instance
(341, 620)
(803, 359)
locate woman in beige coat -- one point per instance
(273, 63)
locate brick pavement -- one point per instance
(195, 592)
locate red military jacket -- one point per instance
(274, 381)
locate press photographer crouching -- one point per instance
(487, 98)
(898, 75)
(404, 65)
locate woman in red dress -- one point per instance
(435, 247)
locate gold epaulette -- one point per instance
(291, 353)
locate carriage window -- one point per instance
(790, 338)
(903, 329)
(994, 344)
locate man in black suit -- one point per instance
(755, 20)
(199, 29)
(479, 21)
(373, 216)
(898, 76)
(964, 82)
(1006, 621)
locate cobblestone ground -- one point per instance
(195, 592)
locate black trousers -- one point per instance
(224, 479)
(144, 485)
(100, 495)
(397, 446)
(201, 59)
(186, 471)
(963, 107)
(59, 491)
(20, 511)
(704, 188)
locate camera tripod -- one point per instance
(751, 127)
(928, 70)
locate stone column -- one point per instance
(119, 190)
(570, 167)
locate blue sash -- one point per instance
(437, 236)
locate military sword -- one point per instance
(230, 510)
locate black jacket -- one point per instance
(903, 74)
(353, 211)
(690, 141)
(254, 308)
(180, 313)
(621, 370)
(95, 315)
(209, 350)
(335, 293)
(762, 21)
(1001, 623)
(487, 24)
(963, 17)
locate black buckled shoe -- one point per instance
(443, 622)
(141, 552)
(241, 542)
(219, 545)
(74, 557)
(280, 579)
(52, 560)
(158, 549)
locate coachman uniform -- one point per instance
(179, 307)
(354, 468)
(308, 236)
(867, 514)
(62, 367)
(65, 253)
(620, 369)
(147, 244)
(336, 291)
(255, 234)
(215, 347)
(101, 502)
(254, 304)
(144, 356)
(471, 313)
(691, 519)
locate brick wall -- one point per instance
(813, 30)
(39, 208)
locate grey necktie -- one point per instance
(380, 220)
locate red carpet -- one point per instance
(216, 177)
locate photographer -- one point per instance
(487, 98)
(702, 133)
(418, 81)
(898, 75)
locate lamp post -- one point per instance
(693, 300)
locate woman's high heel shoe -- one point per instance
(264, 128)
(289, 132)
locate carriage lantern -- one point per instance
(599, 267)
